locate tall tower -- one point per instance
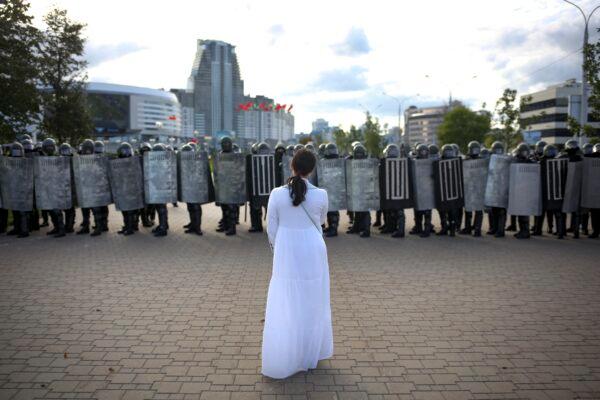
(217, 86)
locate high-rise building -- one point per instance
(260, 125)
(545, 114)
(186, 100)
(217, 88)
(422, 123)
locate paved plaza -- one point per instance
(181, 317)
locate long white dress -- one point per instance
(297, 332)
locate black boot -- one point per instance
(477, 223)
(45, 215)
(255, 219)
(418, 228)
(400, 224)
(444, 224)
(468, 227)
(163, 220)
(538, 223)
(427, 226)
(70, 220)
(365, 232)
(575, 225)
(523, 228)
(34, 220)
(231, 218)
(377, 218)
(3, 220)
(23, 217)
(60, 223)
(550, 219)
(98, 224)
(513, 224)
(500, 222)
(333, 219)
(54, 220)
(85, 223)
(130, 219)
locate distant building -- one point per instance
(421, 124)
(321, 127)
(186, 100)
(134, 114)
(545, 115)
(260, 125)
(217, 88)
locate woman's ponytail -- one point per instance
(303, 164)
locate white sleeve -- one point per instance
(324, 208)
(272, 218)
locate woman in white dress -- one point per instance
(298, 331)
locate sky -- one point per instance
(337, 59)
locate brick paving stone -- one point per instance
(180, 317)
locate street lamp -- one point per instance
(584, 84)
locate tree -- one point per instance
(462, 125)
(577, 130)
(591, 67)
(63, 77)
(19, 40)
(507, 119)
(341, 140)
(372, 133)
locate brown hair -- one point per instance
(303, 164)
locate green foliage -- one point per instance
(507, 119)
(372, 134)
(591, 66)
(62, 72)
(304, 140)
(19, 40)
(340, 138)
(461, 125)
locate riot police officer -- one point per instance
(449, 217)
(194, 209)
(256, 205)
(100, 212)
(361, 223)
(279, 153)
(587, 150)
(572, 152)
(333, 217)
(148, 213)
(20, 218)
(498, 214)
(49, 149)
(130, 218)
(473, 226)
(422, 218)
(595, 212)
(65, 150)
(321, 150)
(434, 151)
(161, 208)
(85, 148)
(394, 218)
(539, 150)
(523, 156)
(230, 212)
(554, 211)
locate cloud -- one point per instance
(342, 80)
(355, 44)
(275, 31)
(98, 54)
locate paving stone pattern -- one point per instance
(181, 317)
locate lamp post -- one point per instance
(584, 85)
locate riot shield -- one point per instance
(91, 180)
(261, 177)
(590, 191)
(194, 175)
(16, 183)
(286, 167)
(362, 184)
(423, 184)
(475, 174)
(449, 190)
(573, 187)
(496, 188)
(394, 184)
(332, 178)
(554, 176)
(127, 183)
(230, 178)
(52, 182)
(160, 177)
(524, 193)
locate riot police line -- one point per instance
(55, 180)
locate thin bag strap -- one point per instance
(311, 220)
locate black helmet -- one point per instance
(448, 151)
(391, 151)
(597, 148)
(193, 145)
(485, 153)
(16, 150)
(159, 147)
(298, 147)
(49, 147)
(433, 149)
(144, 147)
(22, 138)
(474, 148)
(65, 150)
(550, 151)
(331, 151)
(321, 150)
(359, 152)
(280, 148)
(187, 147)
(571, 144)
(539, 147)
(124, 150)
(253, 148)
(289, 150)
(226, 144)
(422, 151)
(27, 145)
(87, 147)
(587, 149)
(310, 147)
(263, 148)
(523, 150)
(497, 148)
(456, 149)
(98, 147)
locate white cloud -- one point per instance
(286, 48)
